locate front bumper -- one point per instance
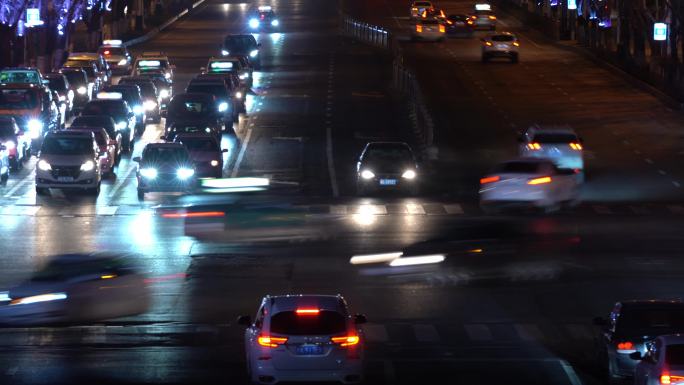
(67, 177)
(166, 183)
(387, 183)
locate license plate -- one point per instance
(65, 178)
(388, 182)
(309, 350)
(502, 46)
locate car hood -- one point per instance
(65, 160)
(204, 156)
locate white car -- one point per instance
(484, 17)
(117, 56)
(429, 29)
(528, 182)
(154, 61)
(663, 362)
(504, 44)
(420, 7)
(76, 288)
(304, 338)
(560, 144)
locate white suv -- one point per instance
(559, 144)
(304, 338)
(68, 160)
(504, 44)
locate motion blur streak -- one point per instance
(374, 258)
(199, 214)
(420, 260)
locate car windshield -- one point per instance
(389, 153)
(555, 138)
(190, 106)
(18, 99)
(67, 145)
(111, 108)
(147, 89)
(165, 155)
(89, 69)
(199, 144)
(75, 78)
(503, 38)
(103, 121)
(652, 318)
(324, 323)
(99, 136)
(218, 90)
(19, 77)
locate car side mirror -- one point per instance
(136, 159)
(600, 321)
(224, 150)
(244, 320)
(635, 356)
(360, 319)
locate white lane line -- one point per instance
(453, 209)
(19, 184)
(662, 172)
(425, 333)
(570, 372)
(478, 332)
(106, 210)
(331, 165)
(415, 209)
(241, 155)
(375, 333)
(20, 210)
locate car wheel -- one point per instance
(141, 195)
(41, 191)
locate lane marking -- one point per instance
(241, 154)
(453, 209)
(570, 372)
(19, 184)
(415, 209)
(478, 332)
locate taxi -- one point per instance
(238, 64)
(21, 75)
(117, 56)
(153, 61)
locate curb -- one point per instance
(162, 27)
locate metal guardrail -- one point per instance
(367, 33)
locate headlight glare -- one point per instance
(149, 105)
(43, 165)
(214, 163)
(253, 53)
(167, 75)
(223, 107)
(238, 95)
(367, 174)
(82, 90)
(408, 174)
(34, 128)
(89, 165)
(253, 23)
(122, 62)
(185, 173)
(224, 52)
(121, 125)
(10, 145)
(149, 172)
(164, 94)
(39, 298)
(137, 110)
(275, 23)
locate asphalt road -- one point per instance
(515, 295)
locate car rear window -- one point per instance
(518, 167)
(18, 99)
(324, 323)
(503, 38)
(57, 83)
(19, 77)
(555, 138)
(239, 43)
(387, 152)
(423, 4)
(652, 318)
(106, 51)
(75, 78)
(105, 108)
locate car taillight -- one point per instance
(419, 28)
(626, 345)
(271, 342)
(534, 146)
(470, 22)
(668, 379)
(305, 311)
(542, 180)
(515, 43)
(106, 52)
(488, 43)
(492, 17)
(349, 340)
(576, 146)
(414, 9)
(490, 179)
(441, 28)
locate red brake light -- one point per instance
(262, 16)
(346, 341)
(307, 311)
(627, 345)
(542, 180)
(576, 146)
(534, 146)
(490, 179)
(271, 342)
(106, 52)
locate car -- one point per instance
(61, 108)
(231, 81)
(263, 18)
(238, 64)
(386, 166)
(84, 59)
(242, 45)
(16, 143)
(418, 8)
(79, 86)
(69, 289)
(154, 61)
(662, 363)
(95, 77)
(296, 338)
(118, 110)
(65, 95)
(133, 97)
(484, 17)
(150, 96)
(106, 145)
(165, 167)
(117, 56)
(109, 125)
(32, 107)
(68, 160)
(205, 151)
(459, 25)
(560, 144)
(164, 86)
(21, 75)
(503, 44)
(528, 183)
(429, 29)
(198, 109)
(192, 127)
(630, 325)
(227, 106)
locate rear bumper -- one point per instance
(499, 53)
(429, 36)
(352, 373)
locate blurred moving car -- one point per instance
(165, 167)
(106, 145)
(459, 25)
(79, 86)
(484, 17)
(205, 152)
(528, 183)
(304, 338)
(32, 108)
(418, 8)
(242, 45)
(118, 110)
(65, 95)
(149, 93)
(4, 164)
(16, 143)
(560, 144)
(21, 75)
(662, 363)
(109, 125)
(264, 18)
(429, 29)
(629, 327)
(75, 288)
(503, 44)
(117, 56)
(68, 160)
(386, 166)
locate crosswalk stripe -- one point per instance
(478, 332)
(415, 209)
(338, 209)
(425, 333)
(375, 333)
(20, 210)
(371, 209)
(453, 209)
(528, 332)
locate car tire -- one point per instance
(42, 191)
(141, 195)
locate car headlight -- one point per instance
(224, 52)
(121, 125)
(367, 174)
(408, 174)
(149, 105)
(253, 23)
(214, 163)
(137, 110)
(34, 128)
(82, 90)
(164, 94)
(149, 172)
(223, 107)
(62, 98)
(275, 23)
(253, 53)
(89, 165)
(43, 165)
(244, 76)
(238, 95)
(185, 173)
(10, 145)
(122, 62)
(39, 298)
(167, 75)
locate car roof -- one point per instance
(102, 101)
(388, 144)
(86, 128)
(502, 34)
(552, 129)
(282, 303)
(107, 117)
(53, 74)
(84, 55)
(193, 95)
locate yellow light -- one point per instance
(108, 276)
(476, 251)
